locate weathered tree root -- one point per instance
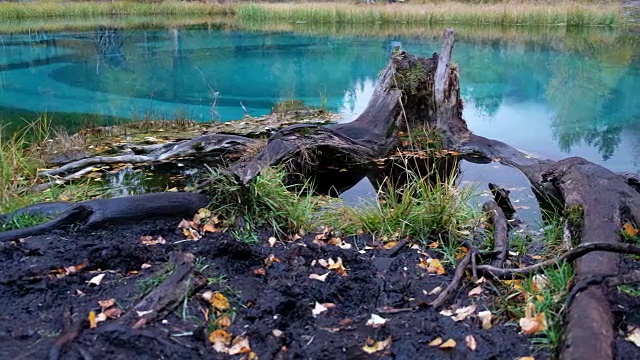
(183, 282)
(500, 231)
(98, 212)
(569, 256)
(73, 329)
(455, 282)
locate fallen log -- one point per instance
(500, 231)
(96, 212)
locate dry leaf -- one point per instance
(96, 280)
(446, 312)
(436, 342)
(220, 339)
(149, 240)
(270, 260)
(476, 291)
(106, 303)
(260, 272)
(219, 301)
(145, 266)
(319, 277)
(272, 241)
(532, 323)
(539, 282)
(634, 335)
(390, 245)
(630, 230)
(277, 333)
(318, 309)
(526, 358)
(376, 321)
(435, 291)
(448, 344)
(434, 245)
(485, 317)
(435, 266)
(371, 347)
(239, 345)
(92, 320)
(471, 342)
(223, 321)
(113, 313)
(464, 312)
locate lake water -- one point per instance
(554, 96)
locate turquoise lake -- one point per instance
(572, 95)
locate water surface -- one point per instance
(569, 94)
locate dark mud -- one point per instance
(626, 308)
(37, 307)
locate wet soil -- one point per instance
(37, 305)
(626, 308)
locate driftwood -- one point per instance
(455, 282)
(98, 212)
(500, 231)
(182, 282)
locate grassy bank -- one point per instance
(572, 13)
(49, 9)
(567, 13)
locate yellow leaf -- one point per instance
(208, 227)
(436, 342)
(448, 344)
(223, 321)
(219, 301)
(630, 230)
(471, 342)
(92, 320)
(435, 266)
(371, 347)
(390, 245)
(220, 339)
(526, 358)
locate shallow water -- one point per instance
(553, 96)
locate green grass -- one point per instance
(266, 201)
(423, 210)
(21, 221)
(117, 8)
(570, 13)
(447, 12)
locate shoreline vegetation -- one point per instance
(568, 13)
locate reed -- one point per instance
(93, 9)
(567, 13)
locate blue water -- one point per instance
(565, 98)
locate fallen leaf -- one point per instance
(318, 309)
(149, 240)
(446, 312)
(448, 344)
(435, 291)
(539, 282)
(145, 266)
(630, 230)
(260, 272)
(106, 303)
(113, 313)
(92, 320)
(471, 342)
(270, 260)
(272, 241)
(390, 245)
(436, 342)
(220, 339)
(376, 321)
(464, 312)
(319, 277)
(485, 317)
(435, 266)
(239, 345)
(223, 321)
(277, 333)
(219, 301)
(634, 336)
(526, 358)
(475, 291)
(96, 280)
(371, 347)
(532, 323)
(434, 245)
